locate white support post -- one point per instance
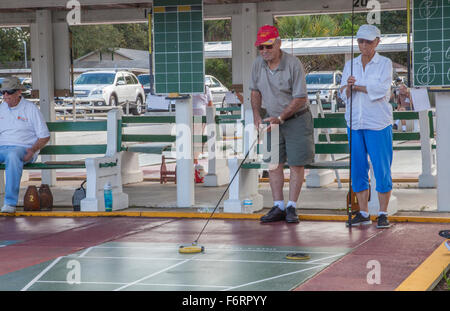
(243, 187)
(42, 41)
(237, 49)
(249, 30)
(443, 150)
(245, 184)
(218, 174)
(185, 161)
(61, 52)
(428, 177)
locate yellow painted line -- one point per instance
(201, 215)
(429, 273)
(74, 214)
(217, 215)
(419, 219)
(400, 180)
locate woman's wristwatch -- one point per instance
(281, 120)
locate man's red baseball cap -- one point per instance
(266, 35)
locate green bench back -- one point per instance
(128, 121)
(339, 141)
(337, 120)
(79, 126)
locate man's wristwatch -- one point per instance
(281, 120)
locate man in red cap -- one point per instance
(278, 87)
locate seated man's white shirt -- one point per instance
(371, 111)
(21, 125)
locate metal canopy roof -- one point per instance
(22, 12)
(315, 46)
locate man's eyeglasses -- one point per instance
(9, 92)
(268, 47)
(361, 41)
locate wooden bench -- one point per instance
(133, 144)
(99, 170)
(330, 139)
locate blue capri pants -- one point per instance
(377, 144)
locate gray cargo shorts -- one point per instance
(296, 141)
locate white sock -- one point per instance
(382, 213)
(280, 204)
(404, 128)
(364, 214)
(292, 203)
(397, 122)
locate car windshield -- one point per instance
(319, 78)
(144, 80)
(96, 78)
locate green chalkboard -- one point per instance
(178, 55)
(431, 42)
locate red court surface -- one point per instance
(30, 241)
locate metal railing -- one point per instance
(71, 108)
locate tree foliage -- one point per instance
(89, 38)
(217, 30)
(220, 68)
(11, 44)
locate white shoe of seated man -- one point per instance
(8, 209)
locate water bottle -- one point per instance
(107, 193)
(248, 204)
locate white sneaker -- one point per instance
(8, 209)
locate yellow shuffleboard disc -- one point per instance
(298, 256)
(191, 249)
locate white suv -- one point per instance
(112, 88)
(218, 90)
(327, 83)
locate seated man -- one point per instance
(23, 132)
(404, 103)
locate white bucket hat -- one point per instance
(12, 83)
(368, 32)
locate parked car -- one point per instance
(218, 90)
(156, 103)
(110, 88)
(144, 79)
(327, 83)
(28, 85)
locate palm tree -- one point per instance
(217, 30)
(306, 26)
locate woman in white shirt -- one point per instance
(371, 123)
